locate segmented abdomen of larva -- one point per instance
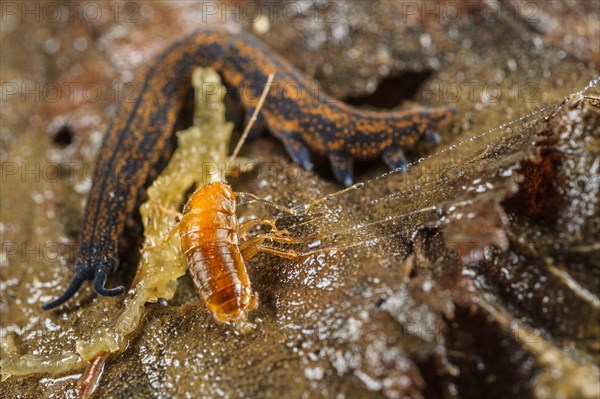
(209, 242)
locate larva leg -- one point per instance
(244, 227)
(171, 212)
(174, 230)
(285, 254)
(258, 240)
(280, 253)
(255, 245)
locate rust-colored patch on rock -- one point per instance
(538, 197)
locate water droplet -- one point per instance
(314, 244)
(300, 208)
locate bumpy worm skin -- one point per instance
(295, 112)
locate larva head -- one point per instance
(211, 197)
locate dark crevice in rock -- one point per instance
(393, 90)
(63, 136)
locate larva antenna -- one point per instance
(259, 105)
(301, 209)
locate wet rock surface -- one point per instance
(475, 274)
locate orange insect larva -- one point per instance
(214, 255)
(209, 240)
